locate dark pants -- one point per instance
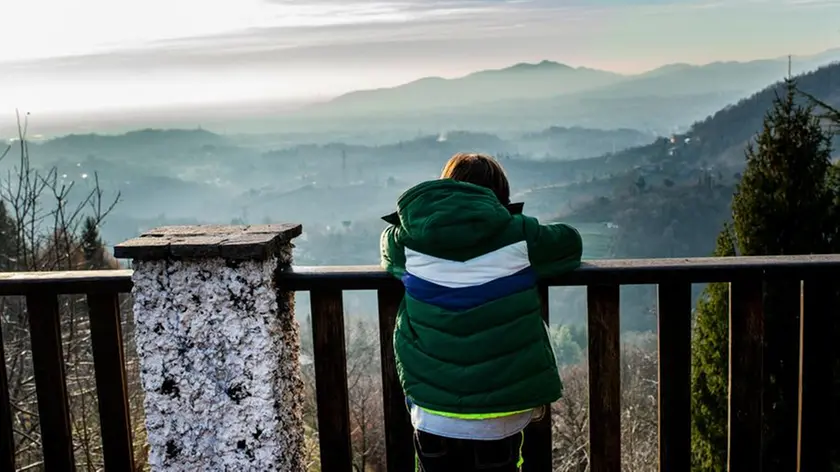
(439, 454)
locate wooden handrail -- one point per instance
(604, 271)
(597, 272)
(63, 283)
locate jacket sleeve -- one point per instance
(391, 252)
(553, 249)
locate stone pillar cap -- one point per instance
(232, 242)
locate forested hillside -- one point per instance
(671, 197)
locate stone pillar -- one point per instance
(219, 348)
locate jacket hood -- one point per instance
(450, 214)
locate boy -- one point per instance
(472, 351)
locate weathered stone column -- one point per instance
(219, 348)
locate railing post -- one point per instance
(819, 305)
(399, 450)
(50, 381)
(7, 443)
(331, 391)
(780, 416)
(538, 441)
(604, 378)
(674, 392)
(218, 346)
(111, 388)
(746, 394)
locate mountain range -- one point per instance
(520, 81)
(517, 99)
(535, 96)
(548, 79)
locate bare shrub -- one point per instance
(639, 451)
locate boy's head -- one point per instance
(478, 169)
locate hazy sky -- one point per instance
(92, 54)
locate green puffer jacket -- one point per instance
(470, 339)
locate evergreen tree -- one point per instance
(710, 368)
(92, 246)
(783, 205)
(829, 113)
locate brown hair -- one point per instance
(478, 169)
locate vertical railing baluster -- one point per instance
(331, 380)
(538, 441)
(780, 382)
(819, 305)
(746, 348)
(111, 390)
(7, 443)
(674, 320)
(604, 378)
(50, 384)
(398, 431)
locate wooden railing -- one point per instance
(42, 291)
(812, 279)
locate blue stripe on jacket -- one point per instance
(465, 298)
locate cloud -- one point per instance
(295, 32)
(56, 28)
(814, 3)
(101, 26)
(249, 49)
(330, 24)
